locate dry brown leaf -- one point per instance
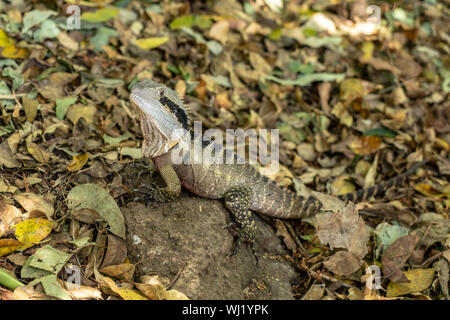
(9, 216)
(77, 111)
(342, 263)
(344, 229)
(315, 292)
(152, 291)
(366, 145)
(124, 271)
(408, 67)
(324, 93)
(41, 155)
(219, 31)
(396, 255)
(7, 157)
(30, 107)
(223, 101)
(116, 251)
(380, 64)
(33, 202)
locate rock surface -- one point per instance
(191, 232)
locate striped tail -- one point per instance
(365, 194)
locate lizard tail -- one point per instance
(365, 194)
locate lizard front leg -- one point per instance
(164, 194)
(238, 201)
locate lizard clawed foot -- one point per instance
(237, 244)
(155, 193)
(232, 228)
(240, 237)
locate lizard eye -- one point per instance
(160, 93)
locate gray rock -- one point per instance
(191, 231)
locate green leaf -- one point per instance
(401, 15)
(309, 32)
(49, 71)
(94, 197)
(135, 153)
(47, 30)
(201, 21)
(82, 242)
(6, 129)
(53, 288)
(102, 36)
(116, 140)
(197, 36)
(387, 234)
(380, 132)
(62, 105)
(173, 69)
(35, 17)
(49, 259)
(275, 34)
(15, 75)
(214, 46)
(222, 80)
(8, 63)
(100, 15)
(109, 82)
(296, 66)
(316, 42)
(307, 79)
(288, 133)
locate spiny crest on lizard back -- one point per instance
(166, 117)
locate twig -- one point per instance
(320, 276)
(176, 276)
(303, 251)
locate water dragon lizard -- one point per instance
(162, 112)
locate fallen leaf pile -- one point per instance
(356, 98)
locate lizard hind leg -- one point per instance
(238, 201)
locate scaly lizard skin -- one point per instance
(242, 187)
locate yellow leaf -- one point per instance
(150, 43)
(12, 52)
(176, 295)
(32, 231)
(429, 190)
(78, 162)
(130, 294)
(350, 90)
(5, 41)
(367, 49)
(438, 142)
(100, 15)
(8, 246)
(126, 294)
(420, 280)
(152, 291)
(342, 185)
(38, 153)
(30, 106)
(92, 3)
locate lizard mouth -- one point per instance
(158, 127)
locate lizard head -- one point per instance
(163, 116)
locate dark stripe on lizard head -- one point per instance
(178, 111)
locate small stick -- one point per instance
(176, 276)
